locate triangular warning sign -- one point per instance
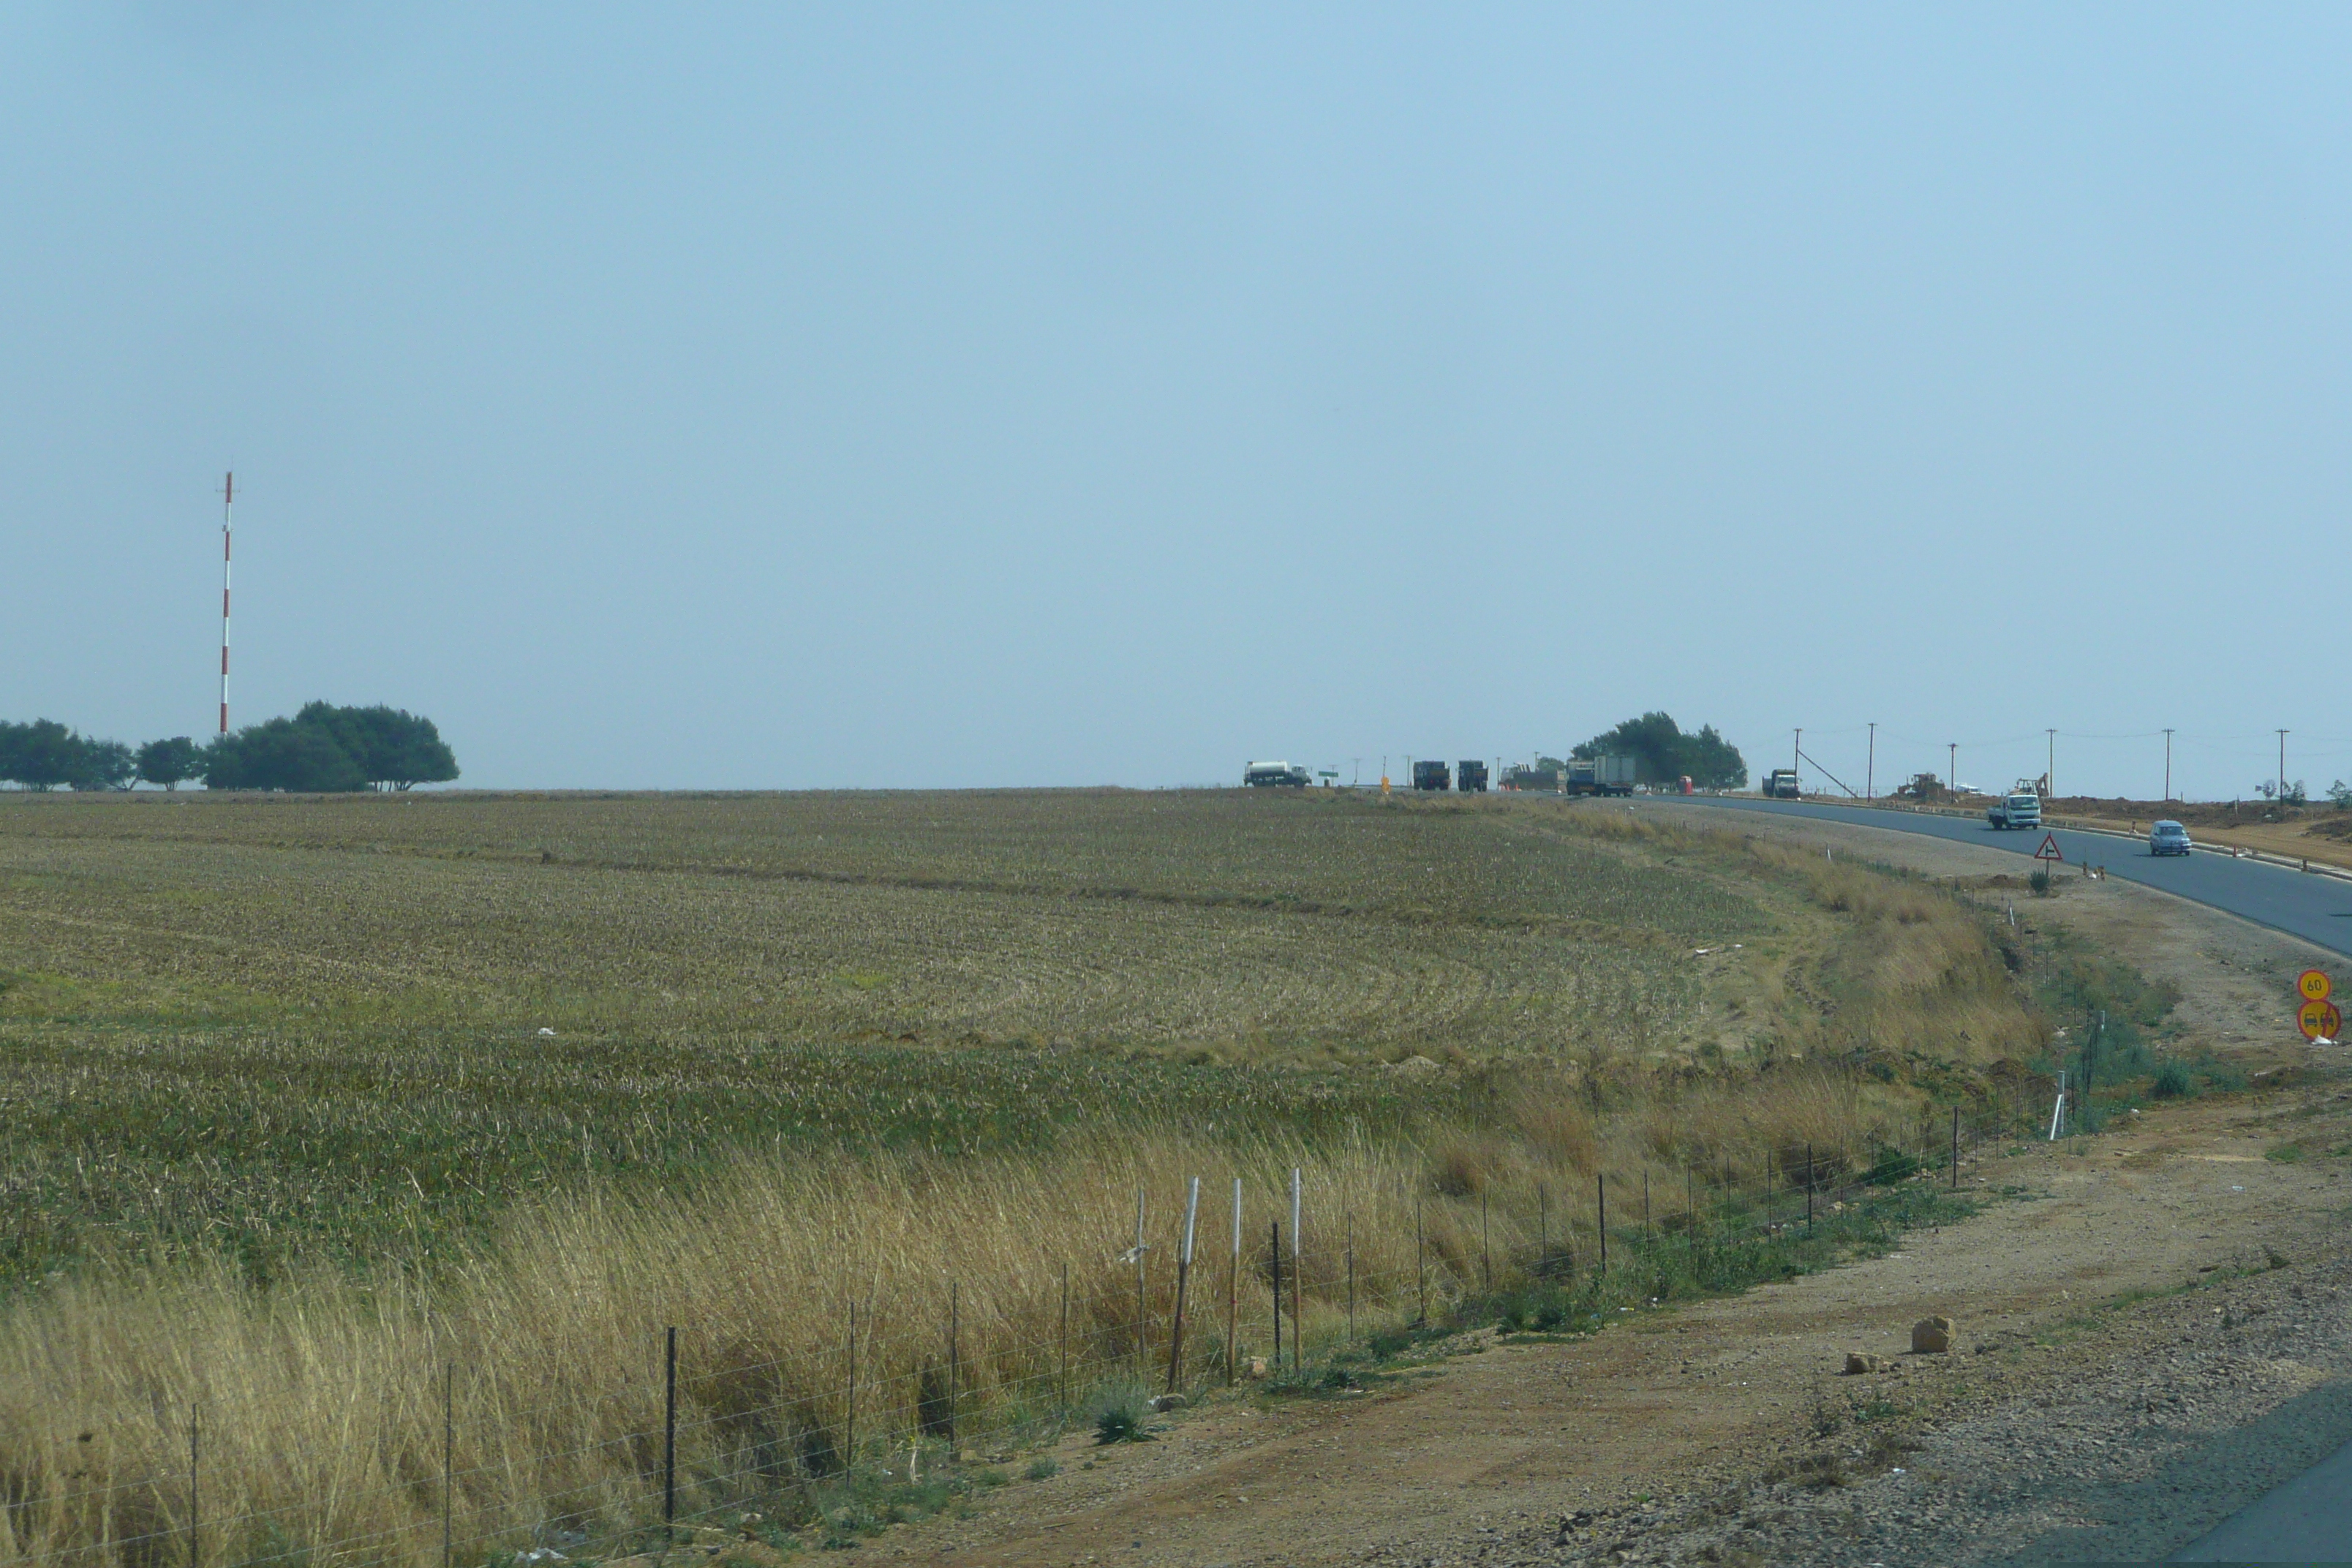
(2049, 850)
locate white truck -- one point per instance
(2021, 808)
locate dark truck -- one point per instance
(1781, 783)
(1432, 776)
(1470, 777)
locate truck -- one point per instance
(2018, 809)
(1600, 775)
(1275, 775)
(1470, 777)
(1432, 776)
(1781, 783)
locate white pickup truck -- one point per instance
(2022, 809)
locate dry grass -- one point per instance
(289, 1144)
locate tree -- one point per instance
(42, 754)
(103, 764)
(393, 748)
(325, 749)
(1662, 753)
(171, 762)
(281, 754)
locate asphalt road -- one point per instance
(2317, 909)
(2309, 1519)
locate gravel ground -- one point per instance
(2121, 1436)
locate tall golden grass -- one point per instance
(319, 1402)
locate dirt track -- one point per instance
(2070, 1390)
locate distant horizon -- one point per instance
(739, 397)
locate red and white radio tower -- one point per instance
(228, 502)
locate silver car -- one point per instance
(2169, 838)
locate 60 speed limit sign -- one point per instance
(2319, 1018)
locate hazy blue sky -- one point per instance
(740, 397)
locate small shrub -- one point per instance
(991, 1477)
(2039, 883)
(1044, 1467)
(1119, 1413)
(2171, 1082)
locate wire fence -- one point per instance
(720, 1433)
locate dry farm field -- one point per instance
(309, 1101)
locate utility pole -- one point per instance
(1870, 768)
(2050, 775)
(2167, 766)
(1952, 769)
(228, 502)
(1355, 772)
(1797, 760)
(2281, 778)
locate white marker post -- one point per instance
(1233, 1287)
(1297, 1325)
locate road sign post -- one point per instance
(2321, 1021)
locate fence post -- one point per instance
(1420, 1263)
(1645, 1208)
(1486, 1257)
(1234, 1289)
(1600, 1186)
(1274, 1256)
(1297, 1269)
(1956, 1148)
(1062, 1379)
(448, 1450)
(849, 1402)
(1351, 1277)
(196, 1498)
(1768, 1193)
(1183, 1273)
(1139, 1308)
(1543, 1232)
(1808, 1189)
(955, 1308)
(669, 1432)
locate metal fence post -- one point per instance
(669, 1431)
(1274, 1253)
(448, 1452)
(196, 1499)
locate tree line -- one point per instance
(323, 749)
(1662, 751)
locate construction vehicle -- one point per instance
(1275, 775)
(1600, 775)
(1432, 776)
(1781, 783)
(1470, 777)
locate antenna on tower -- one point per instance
(228, 502)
